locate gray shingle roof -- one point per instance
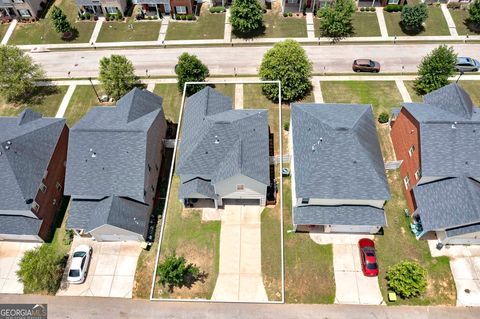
(19, 225)
(27, 145)
(336, 152)
(338, 215)
(196, 186)
(218, 142)
(448, 203)
(463, 230)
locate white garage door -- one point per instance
(352, 229)
(116, 238)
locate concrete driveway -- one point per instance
(352, 287)
(10, 255)
(111, 271)
(240, 273)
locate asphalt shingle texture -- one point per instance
(338, 215)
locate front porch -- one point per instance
(7, 13)
(95, 10)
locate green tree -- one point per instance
(60, 21)
(41, 270)
(18, 74)
(407, 279)
(474, 13)
(287, 62)
(117, 75)
(413, 17)
(190, 69)
(246, 16)
(336, 19)
(175, 272)
(435, 69)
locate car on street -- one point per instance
(365, 65)
(368, 257)
(465, 64)
(79, 265)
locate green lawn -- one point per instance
(3, 29)
(119, 31)
(271, 252)
(197, 241)
(172, 100)
(365, 24)
(83, 99)
(413, 93)
(46, 101)
(459, 17)
(208, 26)
(435, 24)
(42, 31)
(275, 25)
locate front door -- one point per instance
(167, 8)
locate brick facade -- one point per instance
(405, 134)
(186, 3)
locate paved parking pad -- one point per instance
(111, 272)
(10, 255)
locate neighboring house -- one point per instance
(22, 8)
(338, 175)
(149, 7)
(32, 171)
(101, 7)
(114, 160)
(224, 153)
(438, 142)
(312, 5)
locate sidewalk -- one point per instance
(163, 29)
(96, 30)
(9, 32)
(449, 19)
(381, 22)
(310, 26)
(227, 33)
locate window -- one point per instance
(149, 167)
(35, 207)
(406, 181)
(418, 174)
(305, 200)
(58, 186)
(111, 10)
(393, 1)
(18, 1)
(411, 150)
(240, 187)
(45, 174)
(43, 187)
(24, 13)
(54, 202)
(181, 9)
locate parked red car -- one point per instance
(368, 257)
(365, 65)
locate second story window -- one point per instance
(35, 207)
(411, 150)
(43, 187)
(240, 187)
(406, 181)
(418, 174)
(58, 186)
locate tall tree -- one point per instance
(435, 69)
(246, 16)
(117, 75)
(474, 13)
(287, 62)
(190, 69)
(336, 19)
(413, 17)
(18, 74)
(59, 20)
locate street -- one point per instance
(242, 60)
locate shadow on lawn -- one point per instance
(250, 35)
(471, 26)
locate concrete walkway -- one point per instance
(449, 19)
(403, 91)
(151, 86)
(227, 33)
(317, 91)
(310, 26)
(240, 273)
(65, 101)
(9, 32)
(381, 22)
(239, 96)
(163, 28)
(96, 30)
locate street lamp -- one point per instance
(93, 87)
(461, 73)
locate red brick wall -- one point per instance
(405, 133)
(56, 173)
(186, 3)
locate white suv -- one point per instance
(78, 267)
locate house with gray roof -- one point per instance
(224, 152)
(438, 142)
(114, 161)
(338, 175)
(32, 170)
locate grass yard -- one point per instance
(208, 26)
(83, 99)
(435, 24)
(117, 31)
(460, 16)
(42, 31)
(46, 101)
(3, 29)
(413, 93)
(472, 88)
(197, 241)
(365, 24)
(172, 100)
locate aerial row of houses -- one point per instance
(109, 164)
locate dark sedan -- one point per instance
(366, 65)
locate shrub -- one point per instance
(175, 272)
(414, 16)
(407, 279)
(41, 270)
(189, 17)
(383, 117)
(217, 9)
(290, 14)
(286, 126)
(371, 9)
(264, 10)
(246, 16)
(336, 19)
(59, 20)
(190, 69)
(474, 12)
(362, 9)
(435, 69)
(454, 5)
(285, 14)
(393, 8)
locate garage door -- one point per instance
(463, 241)
(117, 238)
(241, 202)
(351, 229)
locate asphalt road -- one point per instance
(242, 60)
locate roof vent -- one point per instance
(466, 162)
(94, 155)
(217, 141)
(7, 147)
(9, 142)
(28, 201)
(313, 148)
(454, 125)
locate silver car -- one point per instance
(465, 64)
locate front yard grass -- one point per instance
(3, 29)
(46, 100)
(271, 252)
(83, 99)
(172, 100)
(435, 24)
(119, 31)
(413, 93)
(365, 24)
(208, 26)
(42, 31)
(472, 88)
(460, 17)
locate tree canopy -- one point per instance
(18, 74)
(246, 16)
(287, 62)
(435, 69)
(175, 272)
(336, 19)
(117, 75)
(59, 20)
(474, 12)
(190, 69)
(413, 17)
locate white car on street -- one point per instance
(78, 268)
